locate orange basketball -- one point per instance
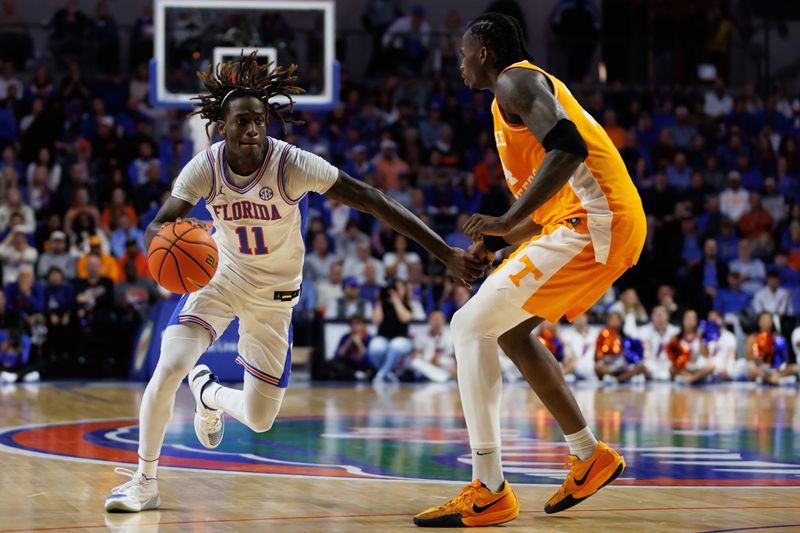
(182, 257)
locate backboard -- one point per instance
(192, 34)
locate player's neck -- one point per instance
(244, 165)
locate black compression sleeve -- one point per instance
(495, 243)
(565, 136)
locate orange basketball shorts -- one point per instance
(555, 273)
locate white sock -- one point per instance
(148, 468)
(582, 443)
(209, 395)
(487, 466)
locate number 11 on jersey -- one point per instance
(244, 243)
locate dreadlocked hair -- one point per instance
(246, 78)
(503, 36)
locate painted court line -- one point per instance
(752, 528)
(395, 515)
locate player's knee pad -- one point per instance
(262, 404)
(181, 347)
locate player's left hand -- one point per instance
(484, 224)
(464, 267)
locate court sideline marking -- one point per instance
(391, 515)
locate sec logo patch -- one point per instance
(265, 193)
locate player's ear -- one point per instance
(221, 128)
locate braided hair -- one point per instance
(248, 78)
(503, 36)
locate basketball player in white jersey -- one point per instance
(254, 188)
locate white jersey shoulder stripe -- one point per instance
(213, 192)
(281, 178)
(256, 178)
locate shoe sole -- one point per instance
(571, 501)
(117, 505)
(455, 520)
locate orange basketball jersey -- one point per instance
(600, 192)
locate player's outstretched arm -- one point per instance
(172, 210)
(527, 94)
(368, 199)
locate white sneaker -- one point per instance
(638, 379)
(138, 494)
(31, 377)
(209, 424)
(787, 381)
(8, 377)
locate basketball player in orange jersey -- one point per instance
(578, 224)
(254, 188)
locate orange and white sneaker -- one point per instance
(475, 506)
(586, 477)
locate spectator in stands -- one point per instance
(617, 361)
(94, 298)
(354, 264)
(348, 242)
(126, 231)
(718, 102)
(57, 257)
(392, 314)
(756, 226)
(15, 204)
(732, 299)
(727, 241)
(790, 244)
(140, 167)
(59, 302)
(654, 337)
(679, 173)
(108, 265)
(455, 298)
(631, 309)
(773, 298)
(774, 201)
(10, 84)
(579, 346)
(397, 262)
(734, 201)
(82, 216)
(433, 358)
(388, 166)
(457, 237)
(329, 288)
(25, 297)
(16, 253)
(721, 348)
(706, 277)
(767, 354)
(16, 44)
(134, 254)
(133, 297)
(351, 361)
(751, 269)
(70, 28)
(360, 167)
(119, 205)
(318, 262)
(370, 289)
(350, 304)
(106, 38)
(407, 41)
(689, 353)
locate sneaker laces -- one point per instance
(466, 494)
(569, 464)
(137, 478)
(212, 421)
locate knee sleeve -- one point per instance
(261, 404)
(181, 347)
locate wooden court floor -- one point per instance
(362, 459)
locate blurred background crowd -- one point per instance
(86, 161)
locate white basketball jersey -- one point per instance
(258, 227)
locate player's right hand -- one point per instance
(481, 251)
(464, 267)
